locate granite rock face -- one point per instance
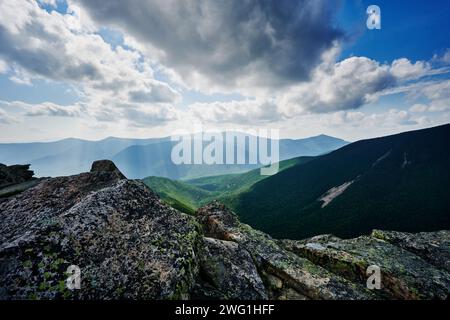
(129, 244)
(282, 271)
(434, 247)
(230, 269)
(404, 275)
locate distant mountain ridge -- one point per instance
(138, 158)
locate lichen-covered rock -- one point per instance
(127, 243)
(231, 270)
(290, 294)
(434, 247)
(404, 275)
(297, 273)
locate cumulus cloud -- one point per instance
(334, 86)
(39, 42)
(281, 57)
(42, 109)
(141, 117)
(238, 112)
(355, 82)
(158, 92)
(58, 47)
(227, 43)
(345, 85)
(435, 93)
(405, 70)
(391, 118)
(54, 110)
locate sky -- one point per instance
(145, 68)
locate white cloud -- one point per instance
(334, 86)
(237, 112)
(54, 110)
(5, 118)
(418, 107)
(3, 67)
(446, 57)
(405, 70)
(355, 82)
(345, 85)
(141, 117)
(436, 94)
(63, 48)
(156, 92)
(443, 58)
(392, 118)
(42, 109)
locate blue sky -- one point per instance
(413, 29)
(140, 69)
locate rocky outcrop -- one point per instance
(434, 247)
(284, 273)
(128, 244)
(106, 166)
(15, 179)
(10, 175)
(230, 269)
(404, 275)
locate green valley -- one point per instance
(188, 195)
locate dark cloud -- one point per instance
(264, 42)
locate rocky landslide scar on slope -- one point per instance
(131, 245)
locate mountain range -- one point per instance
(399, 182)
(139, 158)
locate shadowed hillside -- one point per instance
(398, 182)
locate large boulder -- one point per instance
(230, 269)
(127, 243)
